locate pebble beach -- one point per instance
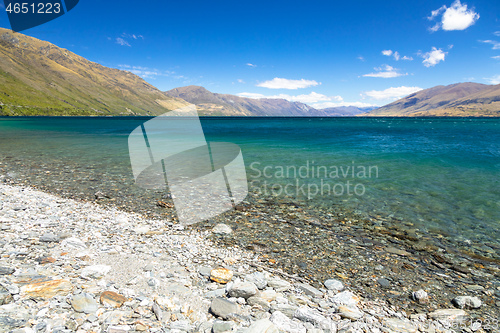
(76, 266)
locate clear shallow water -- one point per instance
(442, 174)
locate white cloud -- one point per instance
(133, 36)
(122, 42)
(317, 101)
(497, 33)
(391, 93)
(241, 81)
(456, 17)
(313, 97)
(436, 12)
(252, 95)
(146, 72)
(496, 57)
(494, 79)
(396, 55)
(279, 83)
(433, 57)
(496, 45)
(325, 105)
(361, 58)
(435, 27)
(386, 72)
(251, 65)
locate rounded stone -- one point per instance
(384, 283)
(84, 303)
(258, 278)
(110, 298)
(95, 271)
(222, 228)
(332, 284)
(420, 296)
(243, 289)
(4, 270)
(345, 298)
(220, 326)
(467, 302)
(349, 312)
(221, 275)
(279, 284)
(223, 308)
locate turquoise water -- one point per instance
(442, 174)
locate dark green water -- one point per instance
(442, 174)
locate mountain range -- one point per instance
(39, 78)
(461, 99)
(347, 111)
(211, 104)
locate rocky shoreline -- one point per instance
(374, 257)
(75, 266)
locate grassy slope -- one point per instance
(457, 100)
(39, 78)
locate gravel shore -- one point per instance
(74, 266)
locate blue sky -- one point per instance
(323, 53)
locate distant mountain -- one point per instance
(346, 111)
(39, 78)
(460, 99)
(212, 104)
